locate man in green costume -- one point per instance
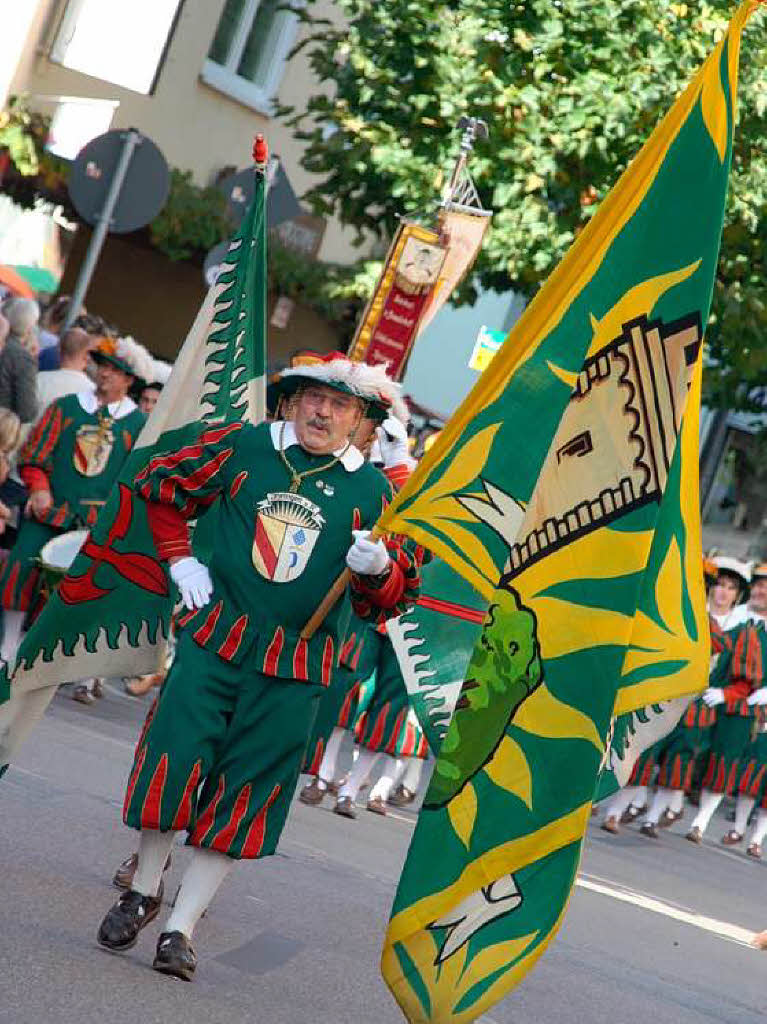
(69, 464)
(220, 754)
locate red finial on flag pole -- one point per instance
(260, 152)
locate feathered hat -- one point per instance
(382, 395)
(131, 357)
(740, 570)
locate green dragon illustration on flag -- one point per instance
(565, 491)
(111, 613)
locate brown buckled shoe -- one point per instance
(345, 807)
(631, 813)
(732, 838)
(669, 817)
(312, 794)
(377, 806)
(82, 695)
(123, 877)
(175, 956)
(610, 825)
(695, 835)
(649, 829)
(132, 912)
(755, 850)
(401, 797)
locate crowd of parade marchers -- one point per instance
(718, 750)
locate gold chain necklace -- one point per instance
(296, 478)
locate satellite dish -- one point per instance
(281, 201)
(144, 189)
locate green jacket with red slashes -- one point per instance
(77, 456)
(276, 554)
(741, 666)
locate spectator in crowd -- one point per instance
(148, 397)
(18, 367)
(10, 491)
(50, 355)
(5, 329)
(51, 323)
(10, 435)
(75, 348)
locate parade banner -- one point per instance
(463, 232)
(392, 318)
(558, 490)
(111, 613)
(433, 641)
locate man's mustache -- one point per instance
(318, 424)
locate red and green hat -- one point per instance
(128, 355)
(371, 384)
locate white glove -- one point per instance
(367, 557)
(758, 696)
(392, 442)
(713, 696)
(193, 580)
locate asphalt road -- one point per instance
(656, 933)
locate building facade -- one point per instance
(198, 77)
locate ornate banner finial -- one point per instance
(260, 152)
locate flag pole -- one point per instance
(459, 193)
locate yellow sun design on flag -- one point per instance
(572, 628)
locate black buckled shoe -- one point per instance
(175, 956)
(132, 912)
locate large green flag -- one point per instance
(111, 613)
(560, 492)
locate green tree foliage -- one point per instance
(23, 134)
(193, 219)
(570, 89)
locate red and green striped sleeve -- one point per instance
(36, 455)
(181, 484)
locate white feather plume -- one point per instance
(363, 380)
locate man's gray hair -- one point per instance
(22, 315)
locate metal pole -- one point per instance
(104, 220)
(472, 128)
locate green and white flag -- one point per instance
(110, 615)
(564, 490)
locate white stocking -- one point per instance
(327, 770)
(207, 870)
(677, 801)
(412, 778)
(385, 783)
(708, 804)
(743, 807)
(153, 850)
(18, 716)
(659, 804)
(12, 625)
(621, 801)
(360, 771)
(760, 829)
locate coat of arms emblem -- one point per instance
(287, 528)
(93, 446)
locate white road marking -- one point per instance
(708, 924)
